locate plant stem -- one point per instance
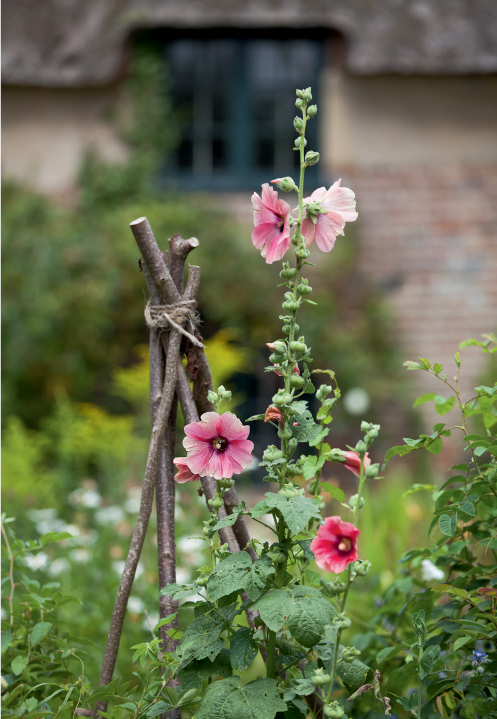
(271, 651)
(11, 575)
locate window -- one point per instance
(235, 97)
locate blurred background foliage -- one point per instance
(75, 367)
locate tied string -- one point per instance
(163, 317)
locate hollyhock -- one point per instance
(353, 462)
(337, 207)
(217, 446)
(335, 545)
(271, 233)
(274, 414)
(184, 473)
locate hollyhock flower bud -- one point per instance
(333, 711)
(298, 142)
(273, 414)
(312, 110)
(353, 501)
(335, 545)
(352, 461)
(307, 96)
(311, 158)
(285, 183)
(298, 123)
(299, 103)
(349, 654)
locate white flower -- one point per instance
(430, 571)
(36, 561)
(135, 605)
(50, 525)
(58, 566)
(42, 515)
(90, 499)
(356, 401)
(80, 556)
(109, 515)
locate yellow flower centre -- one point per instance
(220, 443)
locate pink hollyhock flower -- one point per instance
(353, 462)
(338, 205)
(217, 446)
(335, 545)
(184, 473)
(271, 233)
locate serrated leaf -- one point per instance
(257, 416)
(191, 677)
(335, 491)
(297, 511)
(243, 650)
(448, 524)
(353, 674)
(256, 582)
(308, 614)
(201, 638)
(237, 572)
(19, 664)
(226, 699)
(39, 631)
(178, 591)
(306, 428)
(272, 608)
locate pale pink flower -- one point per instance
(338, 204)
(217, 446)
(335, 545)
(184, 473)
(353, 462)
(271, 233)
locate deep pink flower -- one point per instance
(217, 446)
(338, 204)
(353, 462)
(271, 233)
(335, 545)
(184, 474)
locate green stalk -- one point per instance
(362, 479)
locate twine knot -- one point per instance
(163, 317)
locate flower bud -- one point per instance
(275, 358)
(290, 304)
(227, 483)
(297, 346)
(288, 272)
(284, 433)
(281, 398)
(287, 491)
(360, 447)
(307, 96)
(349, 654)
(312, 110)
(299, 93)
(372, 471)
(298, 142)
(286, 184)
(333, 711)
(212, 397)
(341, 621)
(353, 502)
(299, 103)
(298, 123)
(292, 444)
(409, 658)
(216, 502)
(272, 453)
(361, 567)
(287, 329)
(311, 158)
(333, 587)
(202, 581)
(319, 678)
(303, 288)
(296, 381)
(302, 253)
(322, 391)
(224, 394)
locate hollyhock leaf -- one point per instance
(179, 591)
(257, 578)
(272, 608)
(201, 639)
(308, 614)
(226, 699)
(191, 677)
(258, 416)
(353, 674)
(260, 508)
(306, 428)
(243, 650)
(335, 492)
(229, 575)
(296, 511)
(230, 520)
(310, 467)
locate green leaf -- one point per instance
(468, 508)
(6, 640)
(257, 579)
(387, 653)
(229, 575)
(428, 660)
(192, 676)
(243, 650)
(201, 638)
(449, 589)
(435, 447)
(335, 491)
(296, 511)
(254, 417)
(260, 508)
(19, 664)
(461, 641)
(428, 397)
(178, 591)
(413, 365)
(308, 614)
(306, 428)
(51, 537)
(158, 708)
(226, 699)
(442, 406)
(420, 488)
(448, 524)
(399, 450)
(39, 631)
(272, 608)
(353, 674)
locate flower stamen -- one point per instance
(345, 545)
(220, 443)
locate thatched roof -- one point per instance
(70, 43)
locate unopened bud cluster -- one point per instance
(217, 398)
